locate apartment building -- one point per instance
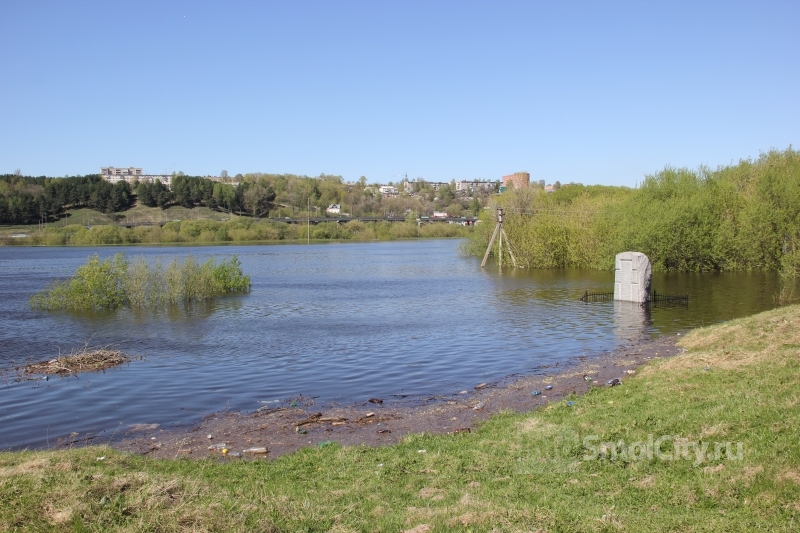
(131, 174)
(520, 180)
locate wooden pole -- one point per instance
(489, 248)
(508, 245)
(500, 247)
(499, 231)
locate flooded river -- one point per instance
(338, 322)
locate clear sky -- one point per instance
(591, 92)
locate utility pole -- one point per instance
(498, 230)
(308, 220)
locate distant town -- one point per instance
(121, 193)
(518, 180)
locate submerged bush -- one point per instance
(115, 282)
(95, 285)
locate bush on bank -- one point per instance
(116, 282)
(739, 217)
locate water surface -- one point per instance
(339, 322)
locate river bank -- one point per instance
(723, 414)
(382, 421)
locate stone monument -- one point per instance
(632, 277)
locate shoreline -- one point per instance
(705, 440)
(285, 430)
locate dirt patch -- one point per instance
(749, 472)
(714, 431)
(28, 467)
(713, 469)
(286, 429)
(422, 528)
(58, 516)
(646, 482)
(790, 475)
(431, 494)
(468, 519)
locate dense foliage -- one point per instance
(115, 282)
(738, 217)
(29, 200)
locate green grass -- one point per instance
(142, 213)
(519, 472)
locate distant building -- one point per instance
(388, 190)
(132, 174)
(166, 179)
(334, 209)
(520, 180)
(227, 180)
(107, 172)
(471, 186)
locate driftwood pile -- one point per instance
(82, 360)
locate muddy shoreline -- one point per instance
(302, 424)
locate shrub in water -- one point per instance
(115, 282)
(95, 285)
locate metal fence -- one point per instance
(597, 296)
(656, 299)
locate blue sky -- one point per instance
(591, 92)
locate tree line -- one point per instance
(29, 200)
(281, 195)
(249, 197)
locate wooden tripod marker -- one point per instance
(498, 230)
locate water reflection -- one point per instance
(631, 321)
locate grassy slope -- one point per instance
(141, 213)
(737, 383)
(77, 216)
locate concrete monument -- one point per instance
(632, 277)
